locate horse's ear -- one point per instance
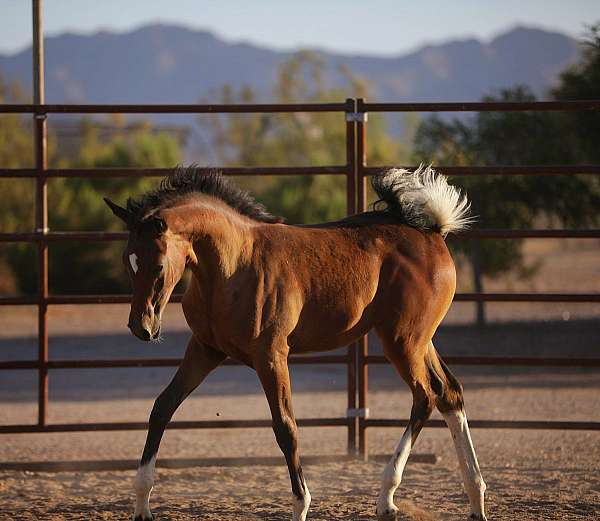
(120, 212)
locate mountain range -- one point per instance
(173, 64)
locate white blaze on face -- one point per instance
(133, 262)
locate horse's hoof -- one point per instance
(389, 514)
(140, 518)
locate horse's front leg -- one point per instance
(199, 360)
(274, 376)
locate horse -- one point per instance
(261, 290)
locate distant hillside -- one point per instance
(171, 64)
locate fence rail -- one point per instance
(481, 106)
(458, 297)
(265, 108)
(356, 173)
(161, 172)
(469, 234)
(256, 108)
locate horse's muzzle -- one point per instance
(145, 330)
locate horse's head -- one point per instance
(155, 260)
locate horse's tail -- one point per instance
(423, 199)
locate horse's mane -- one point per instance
(184, 181)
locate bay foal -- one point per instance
(261, 290)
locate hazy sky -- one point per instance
(369, 26)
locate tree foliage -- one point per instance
(16, 209)
(582, 82)
(509, 138)
(298, 139)
(77, 203)
(522, 138)
(310, 139)
(74, 203)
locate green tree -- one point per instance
(511, 138)
(16, 211)
(299, 139)
(75, 203)
(582, 82)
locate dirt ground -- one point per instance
(342, 491)
(531, 475)
(550, 475)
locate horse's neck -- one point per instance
(221, 238)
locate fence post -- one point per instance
(363, 343)
(41, 206)
(351, 210)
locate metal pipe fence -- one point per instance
(356, 172)
(42, 237)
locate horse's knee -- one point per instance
(163, 409)
(286, 434)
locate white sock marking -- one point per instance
(144, 481)
(392, 475)
(133, 262)
(301, 506)
(474, 484)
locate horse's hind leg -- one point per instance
(199, 360)
(410, 362)
(451, 404)
(275, 379)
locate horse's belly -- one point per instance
(322, 328)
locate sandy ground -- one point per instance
(531, 475)
(343, 491)
(548, 475)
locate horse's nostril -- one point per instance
(145, 334)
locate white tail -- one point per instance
(424, 199)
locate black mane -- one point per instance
(193, 180)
